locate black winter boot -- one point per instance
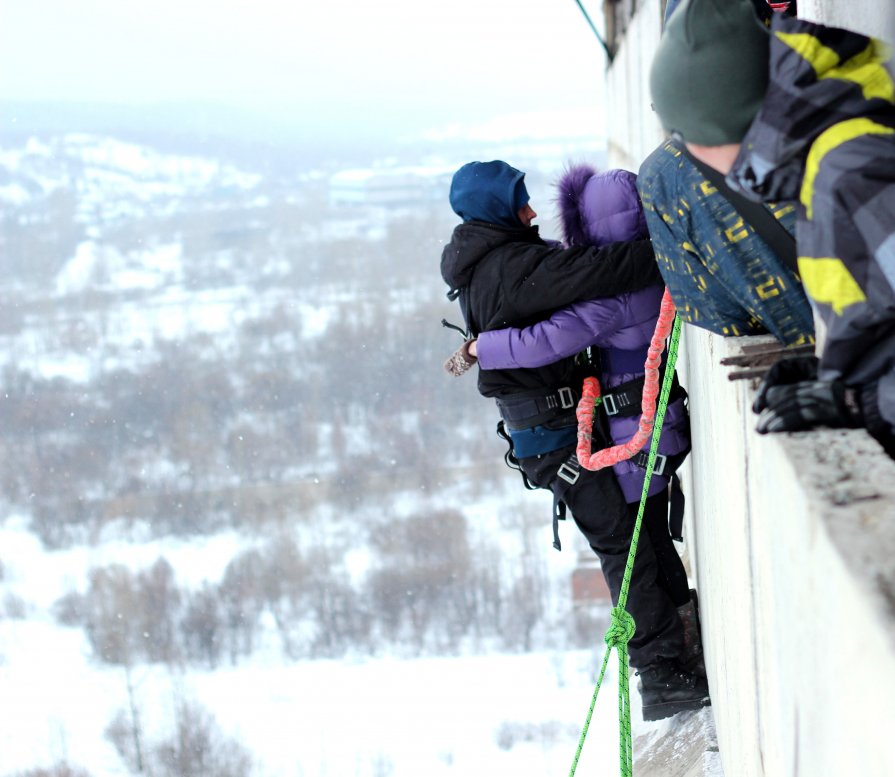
(667, 689)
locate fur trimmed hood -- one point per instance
(599, 208)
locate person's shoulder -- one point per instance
(665, 158)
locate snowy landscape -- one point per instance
(249, 526)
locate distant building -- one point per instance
(389, 187)
(591, 600)
(588, 584)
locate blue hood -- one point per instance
(492, 192)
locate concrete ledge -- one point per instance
(792, 540)
(684, 746)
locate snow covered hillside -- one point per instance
(244, 515)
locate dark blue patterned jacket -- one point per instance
(721, 275)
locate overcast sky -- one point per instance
(337, 66)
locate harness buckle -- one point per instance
(566, 398)
(659, 464)
(610, 404)
(568, 473)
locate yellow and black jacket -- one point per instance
(825, 137)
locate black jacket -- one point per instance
(511, 277)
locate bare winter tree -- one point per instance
(199, 748)
(421, 589)
(203, 625)
(59, 770)
(159, 610)
(112, 616)
(242, 598)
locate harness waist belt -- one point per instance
(525, 412)
(642, 457)
(626, 399)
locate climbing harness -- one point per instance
(622, 626)
(524, 410)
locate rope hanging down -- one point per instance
(622, 626)
(606, 48)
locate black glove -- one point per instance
(785, 372)
(809, 403)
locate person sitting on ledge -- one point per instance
(806, 113)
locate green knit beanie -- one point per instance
(710, 72)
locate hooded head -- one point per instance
(599, 208)
(710, 72)
(492, 192)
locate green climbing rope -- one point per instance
(622, 626)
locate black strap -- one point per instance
(755, 213)
(676, 510)
(510, 457)
(626, 399)
(462, 293)
(567, 475)
(525, 411)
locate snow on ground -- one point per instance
(132, 327)
(114, 177)
(39, 578)
(360, 717)
(481, 715)
(496, 714)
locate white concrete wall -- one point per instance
(871, 17)
(632, 129)
(791, 537)
(792, 540)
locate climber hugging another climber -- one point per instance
(540, 319)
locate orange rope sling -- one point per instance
(591, 397)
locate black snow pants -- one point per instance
(607, 522)
(671, 577)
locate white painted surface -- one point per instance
(792, 541)
(632, 128)
(871, 17)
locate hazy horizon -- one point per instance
(334, 74)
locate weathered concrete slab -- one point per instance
(683, 746)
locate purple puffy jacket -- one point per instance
(597, 209)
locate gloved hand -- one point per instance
(806, 404)
(785, 372)
(791, 398)
(461, 360)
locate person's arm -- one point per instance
(722, 280)
(545, 279)
(855, 291)
(568, 331)
(701, 299)
(843, 258)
